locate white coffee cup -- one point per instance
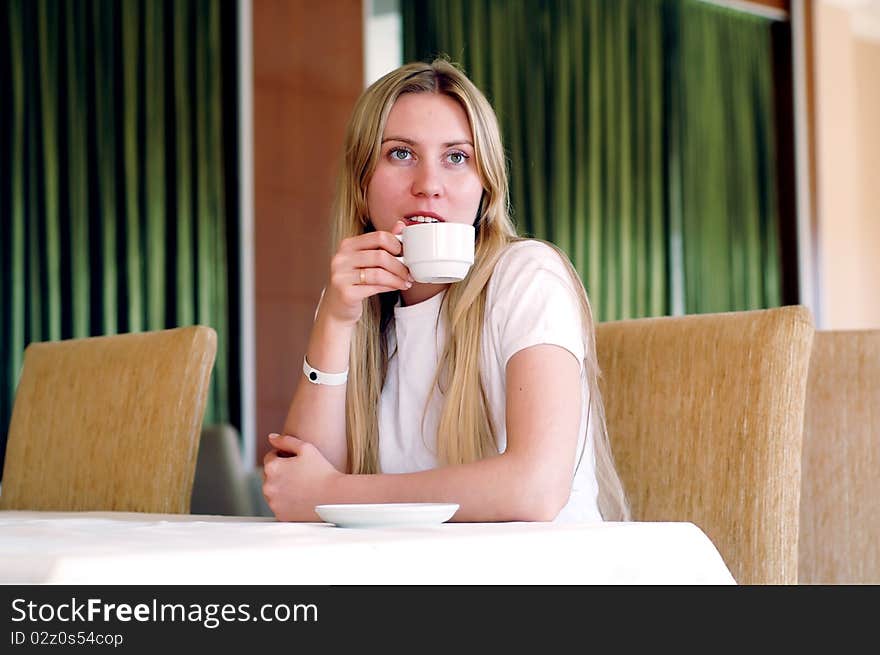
(438, 253)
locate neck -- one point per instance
(419, 292)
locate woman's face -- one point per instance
(427, 166)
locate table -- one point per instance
(127, 548)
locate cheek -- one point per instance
(383, 199)
(472, 192)
(380, 190)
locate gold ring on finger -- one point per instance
(363, 276)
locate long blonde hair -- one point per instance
(465, 432)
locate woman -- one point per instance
(483, 392)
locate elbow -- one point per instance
(541, 499)
(544, 509)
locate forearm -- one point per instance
(500, 488)
(317, 411)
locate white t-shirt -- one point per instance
(530, 301)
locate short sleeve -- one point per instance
(532, 300)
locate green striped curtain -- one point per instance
(723, 183)
(640, 140)
(117, 176)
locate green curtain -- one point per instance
(640, 140)
(723, 183)
(117, 176)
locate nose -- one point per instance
(426, 180)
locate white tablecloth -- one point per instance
(122, 548)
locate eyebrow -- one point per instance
(448, 144)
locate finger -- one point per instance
(371, 241)
(285, 443)
(346, 269)
(381, 259)
(365, 291)
(357, 292)
(273, 454)
(269, 455)
(379, 277)
(378, 259)
(390, 242)
(268, 461)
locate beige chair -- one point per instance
(705, 416)
(221, 485)
(109, 423)
(840, 496)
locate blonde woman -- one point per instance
(482, 392)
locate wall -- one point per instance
(308, 73)
(847, 87)
(867, 66)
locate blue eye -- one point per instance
(399, 154)
(457, 158)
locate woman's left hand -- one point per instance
(297, 477)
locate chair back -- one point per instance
(109, 423)
(840, 496)
(705, 418)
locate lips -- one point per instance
(422, 217)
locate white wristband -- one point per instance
(315, 376)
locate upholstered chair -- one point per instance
(109, 423)
(840, 494)
(705, 418)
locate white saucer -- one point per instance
(386, 514)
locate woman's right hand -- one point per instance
(363, 266)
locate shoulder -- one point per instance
(527, 262)
(529, 250)
(534, 298)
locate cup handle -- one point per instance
(399, 237)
